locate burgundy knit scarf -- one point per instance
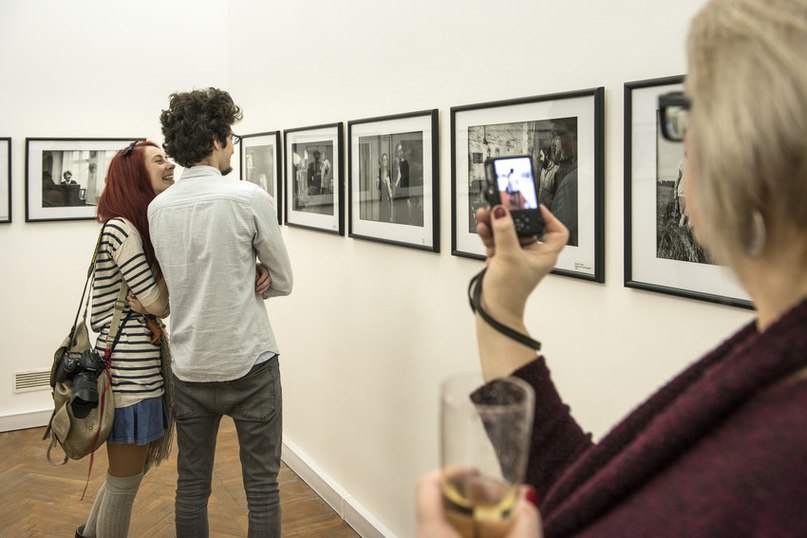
(657, 432)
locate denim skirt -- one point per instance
(139, 424)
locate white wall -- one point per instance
(370, 329)
(84, 69)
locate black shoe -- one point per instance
(79, 532)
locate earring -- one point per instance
(757, 235)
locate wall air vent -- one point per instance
(32, 380)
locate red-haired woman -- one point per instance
(136, 175)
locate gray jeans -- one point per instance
(255, 404)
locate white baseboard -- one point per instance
(332, 493)
(363, 522)
(24, 421)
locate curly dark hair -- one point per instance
(194, 120)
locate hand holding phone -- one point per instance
(511, 183)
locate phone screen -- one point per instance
(515, 183)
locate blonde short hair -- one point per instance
(748, 84)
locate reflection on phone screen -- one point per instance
(516, 183)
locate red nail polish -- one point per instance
(532, 495)
(499, 212)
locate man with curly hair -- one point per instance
(207, 234)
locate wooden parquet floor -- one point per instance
(41, 500)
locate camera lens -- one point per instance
(85, 394)
(67, 366)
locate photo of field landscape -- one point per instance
(674, 239)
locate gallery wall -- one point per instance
(370, 329)
(93, 69)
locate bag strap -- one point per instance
(90, 275)
(120, 303)
(72, 335)
(113, 334)
(112, 339)
(53, 441)
(104, 402)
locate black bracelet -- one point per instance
(475, 298)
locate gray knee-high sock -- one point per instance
(89, 527)
(115, 511)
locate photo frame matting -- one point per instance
(660, 252)
(261, 163)
(5, 180)
(393, 171)
(532, 126)
(313, 181)
(64, 177)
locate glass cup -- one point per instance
(485, 432)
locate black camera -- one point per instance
(82, 369)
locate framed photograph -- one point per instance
(5, 180)
(261, 163)
(563, 133)
(661, 253)
(314, 183)
(394, 180)
(64, 177)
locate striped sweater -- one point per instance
(135, 360)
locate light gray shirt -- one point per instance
(207, 230)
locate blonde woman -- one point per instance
(720, 450)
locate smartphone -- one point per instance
(511, 183)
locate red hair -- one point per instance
(128, 193)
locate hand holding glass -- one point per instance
(485, 434)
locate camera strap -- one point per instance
(475, 298)
(114, 334)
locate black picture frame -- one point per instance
(531, 126)
(394, 180)
(261, 163)
(5, 180)
(314, 184)
(660, 252)
(80, 164)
